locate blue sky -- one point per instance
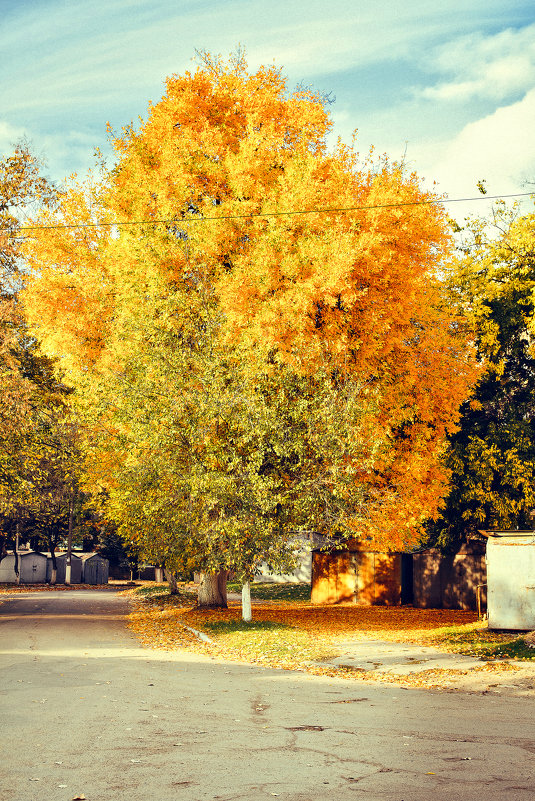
(451, 85)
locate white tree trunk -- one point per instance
(213, 590)
(17, 559)
(246, 609)
(69, 543)
(53, 575)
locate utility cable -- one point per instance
(201, 219)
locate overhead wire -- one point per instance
(292, 212)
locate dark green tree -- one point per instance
(492, 455)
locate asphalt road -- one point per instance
(86, 711)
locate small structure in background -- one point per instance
(301, 573)
(32, 568)
(361, 576)
(511, 579)
(428, 579)
(146, 572)
(61, 562)
(450, 581)
(95, 569)
(7, 570)
(36, 568)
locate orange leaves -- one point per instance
(70, 279)
(340, 620)
(352, 297)
(288, 635)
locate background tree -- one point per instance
(40, 459)
(123, 561)
(492, 455)
(27, 381)
(204, 348)
(22, 191)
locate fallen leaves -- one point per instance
(9, 589)
(294, 635)
(298, 636)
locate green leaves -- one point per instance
(248, 367)
(492, 455)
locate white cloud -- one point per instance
(98, 52)
(494, 67)
(57, 153)
(71, 69)
(499, 148)
(9, 136)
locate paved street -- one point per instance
(86, 711)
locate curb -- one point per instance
(199, 634)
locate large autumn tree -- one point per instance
(492, 454)
(254, 361)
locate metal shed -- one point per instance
(32, 567)
(449, 581)
(361, 576)
(149, 573)
(61, 561)
(511, 579)
(7, 570)
(95, 569)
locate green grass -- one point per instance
(222, 627)
(516, 649)
(259, 591)
(160, 594)
(152, 589)
(475, 639)
(267, 642)
(262, 591)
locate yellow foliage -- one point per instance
(219, 169)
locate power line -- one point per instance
(340, 210)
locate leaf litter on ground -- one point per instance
(296, 635)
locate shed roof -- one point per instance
(86, 556)
(58, 554)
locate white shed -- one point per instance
(511, 579)
(302, 572)
(7, 570)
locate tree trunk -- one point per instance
(246, 609)
(69, 545)
(173, 583)
(213, 590)
(17, 560)
(54, 573)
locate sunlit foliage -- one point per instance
(492, 455)
(250, 373)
